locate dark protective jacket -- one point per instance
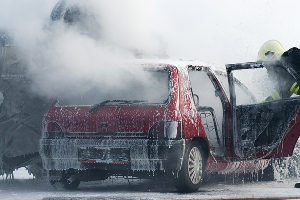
(285, 73)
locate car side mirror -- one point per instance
(196, 99)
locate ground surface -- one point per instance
(25, 188)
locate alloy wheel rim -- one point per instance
(195, 165)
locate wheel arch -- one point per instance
(204, 145)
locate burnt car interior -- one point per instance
(258, 125)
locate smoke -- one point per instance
(84, 46)
(74, 55)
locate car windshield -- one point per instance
(151, 86)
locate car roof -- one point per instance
(180, 64)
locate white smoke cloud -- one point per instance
(61, 57)
(66, 59)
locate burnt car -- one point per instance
(193, 123)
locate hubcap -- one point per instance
(195, 165)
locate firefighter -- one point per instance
(291, 59)
(271, 50)
(278, 63)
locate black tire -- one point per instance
(190, 177)
(70, 182)
(297, 185)
(67, 181)
(60, 185)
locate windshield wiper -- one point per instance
(98, 105)
(103, 103)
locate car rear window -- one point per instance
(149, 87)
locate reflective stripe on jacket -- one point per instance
(295, 88)
(275, 95)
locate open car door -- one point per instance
(262, 129)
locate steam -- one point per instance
(65, 59)
(76, 57)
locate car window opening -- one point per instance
(210, 108)
(149, 87)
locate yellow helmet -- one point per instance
(270, 50)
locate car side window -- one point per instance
(210, 108)
(252, 86)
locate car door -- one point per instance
(259, 127)
(211, 106)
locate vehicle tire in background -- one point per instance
(190, 176)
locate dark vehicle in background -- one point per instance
(190, 124)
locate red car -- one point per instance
(182, 125)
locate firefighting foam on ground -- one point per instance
(94, 90)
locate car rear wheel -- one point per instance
(65, 180)
(191, 175)
(70, 180)
(70, 184)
